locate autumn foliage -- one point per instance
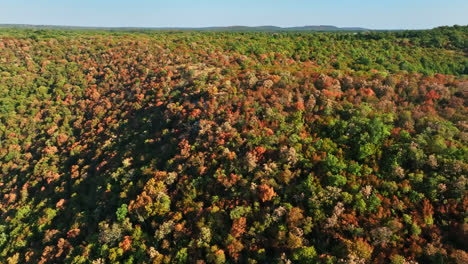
(221, 147)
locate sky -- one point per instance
(375, 14)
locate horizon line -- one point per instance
(214, 26)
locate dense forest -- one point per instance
(148, 146)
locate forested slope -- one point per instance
(200, 147)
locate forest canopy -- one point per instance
(145, 146)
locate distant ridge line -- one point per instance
(266, 28)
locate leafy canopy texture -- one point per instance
(202, 147)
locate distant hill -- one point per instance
(327, 28)
(267, 28)
(274, 28)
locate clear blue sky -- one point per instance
(375, 14)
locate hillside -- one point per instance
(233, 147)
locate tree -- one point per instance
(121, 213)
(305, 255)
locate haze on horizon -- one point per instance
(385, 14)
